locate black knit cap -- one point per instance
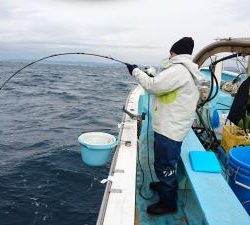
(183, 46)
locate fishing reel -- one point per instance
(139, 119)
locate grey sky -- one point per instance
(138, 31)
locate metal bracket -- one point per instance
(127, 143)
(118, 171)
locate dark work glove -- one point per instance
(131, 68)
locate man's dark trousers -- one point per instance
(167, 153)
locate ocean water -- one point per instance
(42, 112)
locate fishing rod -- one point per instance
(96, 55)
(55, 55)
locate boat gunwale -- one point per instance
(102, 211)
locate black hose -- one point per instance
(212, 85)
(227, 57)
(213, 77)
(209, 132)
(218, 103)
(143, 179)
(148, 156)
(216, 83)
(55, 55)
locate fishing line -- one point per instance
(55, 55)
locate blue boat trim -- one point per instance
(217, 201)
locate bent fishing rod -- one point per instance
(81, 53)
(55, 55)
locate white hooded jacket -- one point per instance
(175, 96)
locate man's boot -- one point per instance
(160, 208)
(154, 186)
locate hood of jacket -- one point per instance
(187, 61)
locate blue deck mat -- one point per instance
(202, 161)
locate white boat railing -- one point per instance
(103, 207)
(118, 204)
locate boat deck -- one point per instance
(204, 198)
(188, 210)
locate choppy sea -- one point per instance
(43, 110)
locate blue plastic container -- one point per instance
(96, 147)
(215, 119)
(239, 174)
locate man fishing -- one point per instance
(175, 97)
